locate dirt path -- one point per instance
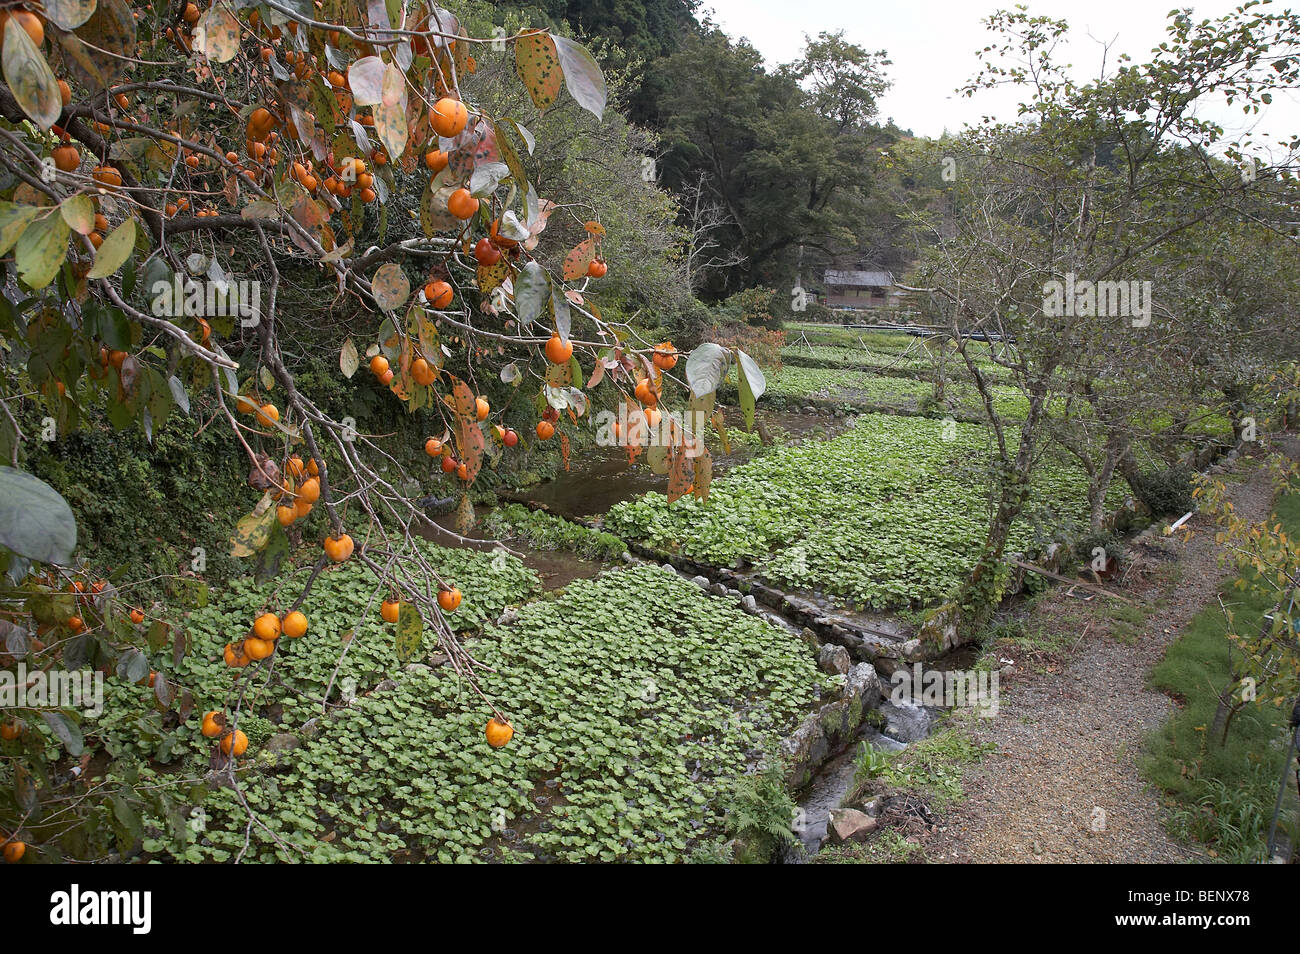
(1063, 784)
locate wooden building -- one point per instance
(867, 290)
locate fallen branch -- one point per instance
(1065, 579)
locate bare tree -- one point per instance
(704, 217)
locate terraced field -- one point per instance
(636, 700)
(890, 514)
(877, 391)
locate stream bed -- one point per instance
(604, 478)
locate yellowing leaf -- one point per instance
(703, 475)
(79, 212)
(217, 35)
(41, 249)
(30, 78)
(578, 260)
(348, 359)
(538, 66)
(115, 250)
(469, 445)
(434, 216)
(680, 472)
(390, 287)
(464, 402)
(464, 515)
(13, 219)
(491, 276)
(253, 532)
(390, 123)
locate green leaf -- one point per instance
(69, 14)
(750, 372)
(110, 43)
(35, 521)
(582, 75)
(127, 825)
(69, 732)
(272, 555)
(410, 632)
(747, 400)
(532, 288)
(115, 250)
(179, 394)
(114, 329)
(133, 665)
(41, 249)
(159, 398)
(563, 321)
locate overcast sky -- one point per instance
(933, 43)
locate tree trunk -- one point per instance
(981, 593)
(1128, 467)
(1226, 711)
(1099, 484)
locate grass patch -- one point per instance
(1127, 622)
(931, 767)
(889, 847)
(1220, 795)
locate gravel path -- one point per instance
(1063, 784)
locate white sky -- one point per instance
(933, 43)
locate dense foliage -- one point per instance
(891, 513)
(626, 735)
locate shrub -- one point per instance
(1084, 548)
(762, 345)
(1167, 491)
(754, 306)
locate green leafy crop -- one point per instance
(636, 700)
(887, 514)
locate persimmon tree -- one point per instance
(142, 140)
